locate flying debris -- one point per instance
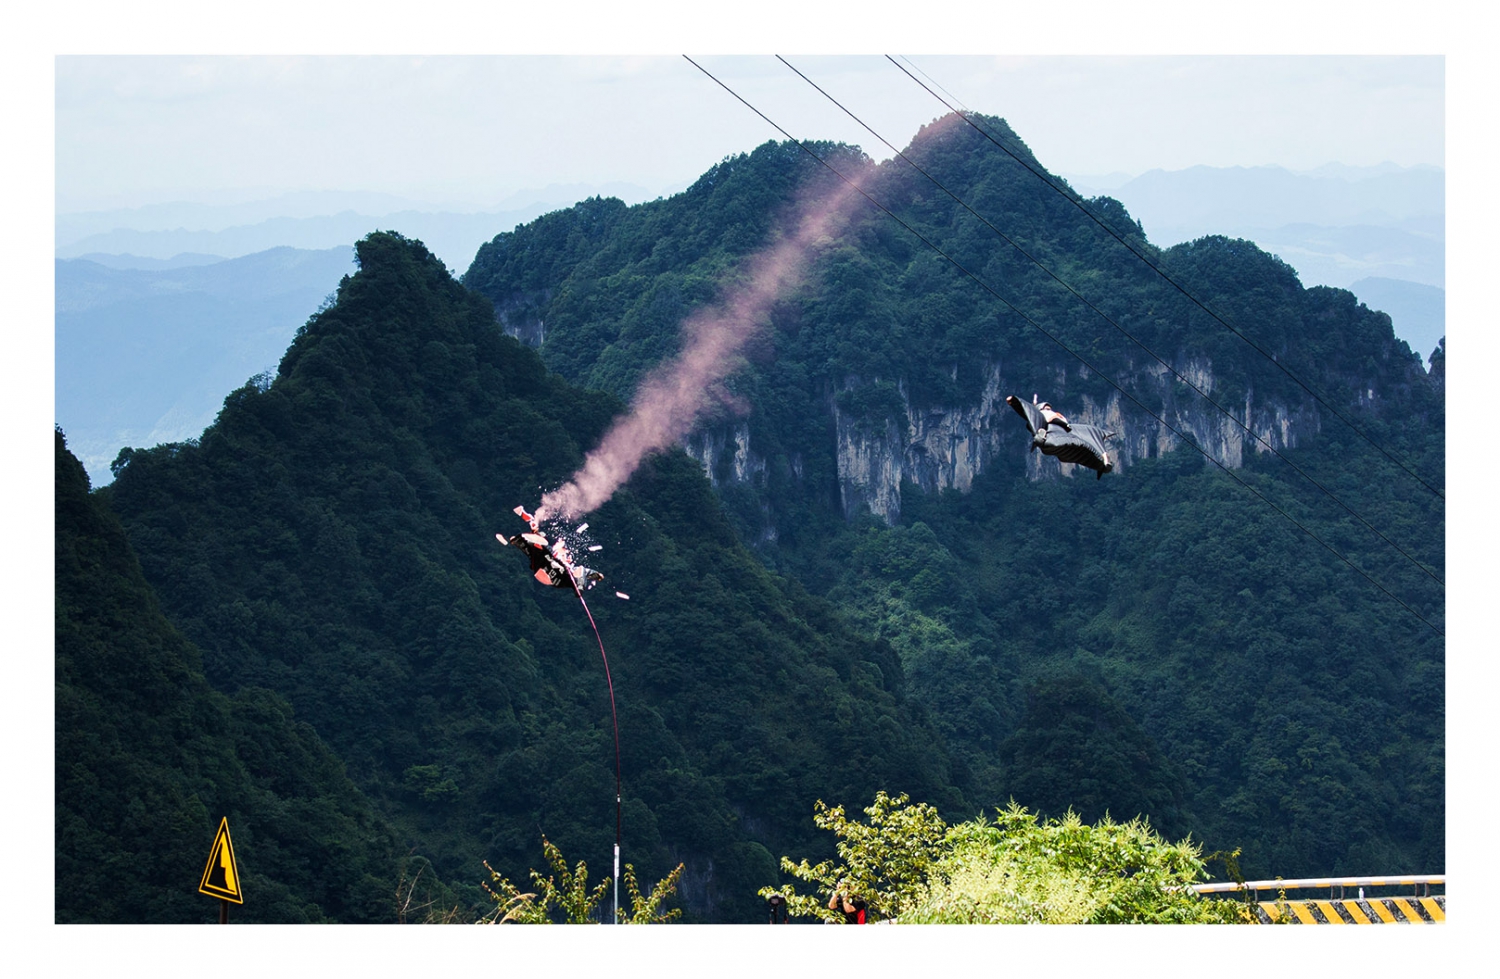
(551, 561)
(1051, 432)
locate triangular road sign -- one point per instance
(221, 878)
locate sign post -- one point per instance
(221, 877)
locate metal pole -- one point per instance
(223, 911)
(615, 722)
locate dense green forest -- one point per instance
(331, 537)
(150, 758)
(1164, 641)
(1160, 643)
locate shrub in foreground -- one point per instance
(910, 866)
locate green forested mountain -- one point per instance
(1065, 638)
(331, 537)
(970, 630)
(150, 758)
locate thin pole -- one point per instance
(223, 911)
(615, 719)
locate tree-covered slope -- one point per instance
(609, 285)
(149, 758)
(331, 537)
(1022, 288)
(1299, 707)
(1161, 642)
(1172, 640)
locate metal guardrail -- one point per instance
(1421, 885)
(1422, 907)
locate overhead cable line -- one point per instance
(1110, 320)
(1072, 199)
(1079, 357)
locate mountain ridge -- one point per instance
(1159, 639)
(340, 541)
(886, 365)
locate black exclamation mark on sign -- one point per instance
(222, 877)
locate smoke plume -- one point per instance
(677, 392)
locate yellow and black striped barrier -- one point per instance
(1352, 911)
(1421, 907)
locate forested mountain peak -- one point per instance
(875, 390)
(150, 758)
(331, 537)
(976, 276)
(928, 608)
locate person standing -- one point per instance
(852, 906)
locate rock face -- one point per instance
(520, 316)
(936, 448)
(939, 447)
(944, 447)
(725, 455)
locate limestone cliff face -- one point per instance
(871, 463)
(725, 454)
(521, 317)
(938, 447)
(1250, 425)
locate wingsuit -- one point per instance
(551, 563)
(1082, 445)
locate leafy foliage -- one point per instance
(331, 537)
(1021, 869)
(149, 758)
(566, 894)
(647, 909)
(885, 861)
(421, 898)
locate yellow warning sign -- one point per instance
(221, 878)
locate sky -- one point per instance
(448, 128)
(466, 132)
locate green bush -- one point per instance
(566, 894)
(1023, 870)
(1020, 869)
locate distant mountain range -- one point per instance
(1335, 226)
(1180, 205)
(452, 237)
(1417, 311)
(145, 356)
(313, 220)
(161, 310)
(128, 261)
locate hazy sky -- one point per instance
(471, 130)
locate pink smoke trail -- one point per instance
(676, 392)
